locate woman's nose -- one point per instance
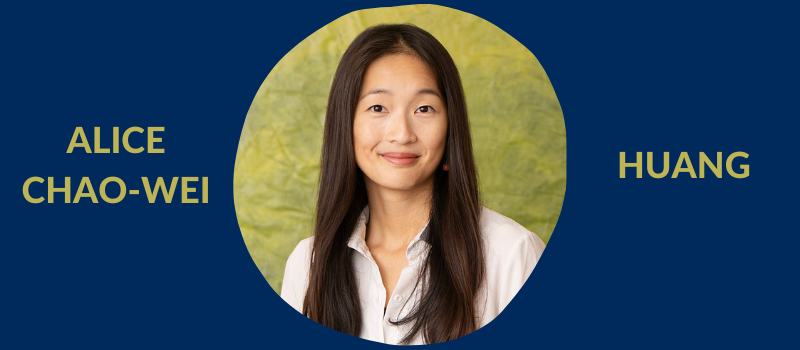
(400, 129)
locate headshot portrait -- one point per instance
(400, 173)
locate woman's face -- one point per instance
(400, 124)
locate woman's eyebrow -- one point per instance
(385, 91)
(376, 91)
(428, 92)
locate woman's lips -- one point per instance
(400, 158)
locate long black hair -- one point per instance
(454, 264)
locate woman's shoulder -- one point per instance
(511, 253)
(299, 262)
(295, 276)
(301, 253)
(503, 235)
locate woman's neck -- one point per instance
(396, 216)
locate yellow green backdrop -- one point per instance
(516, 121)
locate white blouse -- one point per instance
(511, 253)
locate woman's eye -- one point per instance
(377, 108)
(425, 109)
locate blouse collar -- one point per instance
(358, 239)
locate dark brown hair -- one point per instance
(454, 264)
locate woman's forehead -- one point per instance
(399, 73)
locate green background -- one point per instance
(516, 122)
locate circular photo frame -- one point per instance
(515, 120)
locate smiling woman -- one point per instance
(404, 248)
(398, 203)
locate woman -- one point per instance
(398, 200)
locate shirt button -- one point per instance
(377, 300)
(397, 298)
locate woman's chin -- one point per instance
(399, 179)
(399, 184)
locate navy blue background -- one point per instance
(632, 263)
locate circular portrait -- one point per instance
(400, 173)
